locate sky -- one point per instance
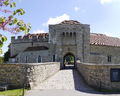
(102, 15)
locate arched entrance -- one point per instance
(69, 60)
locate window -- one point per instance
(109, 59)
(53, 58)
(63, 34)
(39, 59)
(115, 75)
(17, 60)
(70, 34)
(26, 59)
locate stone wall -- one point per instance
(98, 76)
(15, 75)
(32, 56)
(18, 46)
(99, 54)
(70, 38)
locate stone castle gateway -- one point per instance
(36, 57)
(66, 38)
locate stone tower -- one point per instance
(70, 37)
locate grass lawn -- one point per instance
(16, 92)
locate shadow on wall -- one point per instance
(80, 85)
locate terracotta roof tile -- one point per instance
(69, 22)
(101, 39)
(95, 39)
(30, 36)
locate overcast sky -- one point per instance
(102, 15)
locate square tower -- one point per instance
(70, 37)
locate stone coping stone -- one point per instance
(46, 63)
(90, 64)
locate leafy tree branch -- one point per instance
(9, 22)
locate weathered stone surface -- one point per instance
(62, 40)
(98, 75)
(68, 37)
(99, 54)
(16, 75)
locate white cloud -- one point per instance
(39, 31)
(105, 1)
(76, 8)
(57, 19)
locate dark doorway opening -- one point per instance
(69, 61)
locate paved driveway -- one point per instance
(65, 83)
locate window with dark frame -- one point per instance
(63, 34)
(115, 75)
(53, 58)
(26, 59)
(39, 59)
(109, 58)
(70, 34)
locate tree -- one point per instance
(9, 22)
(1, 60)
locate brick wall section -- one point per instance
(98, 75)
(17, 74)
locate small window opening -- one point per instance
(109, 59)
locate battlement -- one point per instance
(41, 37)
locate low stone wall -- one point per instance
(15, 75)
(99, 75)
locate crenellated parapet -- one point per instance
(42, 37)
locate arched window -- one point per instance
(39, 59)
(70, 34)
(63, 34)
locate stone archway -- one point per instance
(69, 60)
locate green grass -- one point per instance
(16, 92)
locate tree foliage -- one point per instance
(1, 59)
(9, 22)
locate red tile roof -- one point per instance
(95, 39)
(101, 39)
(29, 36)
(69, 22)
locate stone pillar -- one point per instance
(79, 42)
(86, 44)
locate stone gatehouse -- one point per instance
(68, 38)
